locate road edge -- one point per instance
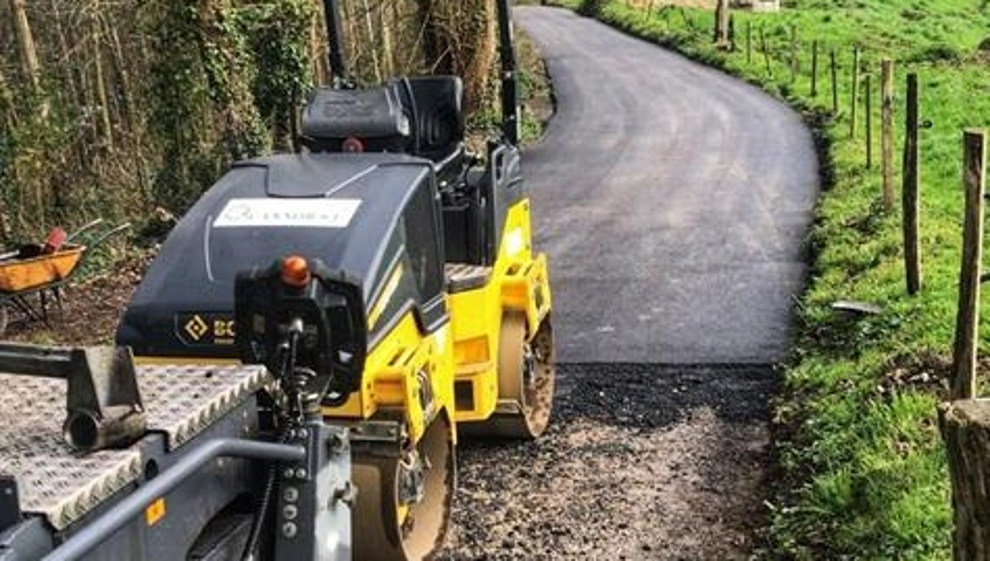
(818, 121)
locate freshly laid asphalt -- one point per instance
(671, 199)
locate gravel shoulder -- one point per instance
(642, 462)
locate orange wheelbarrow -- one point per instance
(43, 270)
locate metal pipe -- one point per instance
(510, 86)
(33, 360)
(103, 527)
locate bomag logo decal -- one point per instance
(205, 328)
(197, 328)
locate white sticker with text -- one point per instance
(287, 213)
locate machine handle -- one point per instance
(120, 514)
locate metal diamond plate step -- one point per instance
(63, 485)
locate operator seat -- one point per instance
(418, 116)
(439, 110)
(374, 116)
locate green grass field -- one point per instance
(862, 472)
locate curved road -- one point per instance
(672, 200)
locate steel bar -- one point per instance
(103, 527)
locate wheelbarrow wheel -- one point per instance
(4, 317)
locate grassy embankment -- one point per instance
(535, 95)
(862, 469)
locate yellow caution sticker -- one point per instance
(155, 512)
(386, 297)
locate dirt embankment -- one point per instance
(90, 310)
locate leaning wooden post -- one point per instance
(749, 42)
(716, 30)
(887, 134)
(965, 427)
(835, 82)
(766, 51)
(732, 33)
(855, 94)
(687, 19)
(795, 59)
(722, 24)
(965, 422)
(968, 316)
(910, 194)
(868, 86)
(814, 68)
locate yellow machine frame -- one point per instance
(416, 373)
(462, 354)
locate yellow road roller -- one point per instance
(449, 329)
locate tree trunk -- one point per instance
(438, 56)
(4, 225)
(6, 101)
(25, 43)
(126, 89)
(372, 42)
(318, 47)
(386, 33)
(355, 44)
(65, 53)
(99, 81)
(965, 429)
(478, 54)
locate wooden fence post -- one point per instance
(909, 195)
(732, 32)
(868, 85)
(716, 29)
(722, 24)
(968, 316)
(814, 68)
(855, 94)
(887, 134)
(795, 58)
(965, 427)
(749, 42)
(766, 51)
(687, 19)
(835, 82)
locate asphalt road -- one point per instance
(672, 200)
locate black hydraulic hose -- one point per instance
(259, 520)
(290, 349)
(123, 512)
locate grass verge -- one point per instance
(862, 472)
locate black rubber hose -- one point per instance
(259, 520)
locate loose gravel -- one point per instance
(642, 462)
